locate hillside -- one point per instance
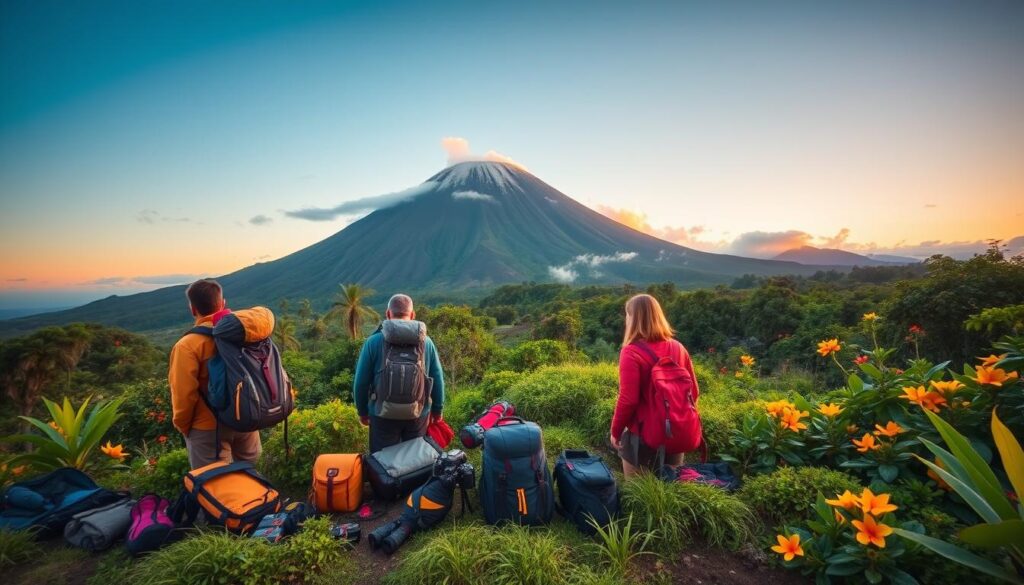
(475, 225)
(831, 256)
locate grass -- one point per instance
(618, 544)
(17, 547)
(681, 512)
(56, 567)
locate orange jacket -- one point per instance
(187, 377)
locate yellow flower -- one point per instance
(113, 451)
(851, 428)
(991, 360)
(870, 316)
(867, 443)
(828, 347)
(846, 500)
(993, 376)
(775, 408)
(747, 360)
(790, 419)
(830, 410)
(891, 429)
(946, 387)
(789, 547)
(739, 374)
(871, 532)
(925, 399)
(875, 504)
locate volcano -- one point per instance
(472, 226)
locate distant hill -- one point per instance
(474, 226)
(831, 256)
(894, 259)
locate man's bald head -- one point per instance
(400, 307)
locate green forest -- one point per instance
(871, 414)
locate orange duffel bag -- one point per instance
(233, 495)
(337, 482)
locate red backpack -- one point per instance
(667, 416)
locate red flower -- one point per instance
(150, 414)
(161, 439)
(861, 359)
(916, 329)
(711, 349)
(723, 370)
(117, 343)
(161, 417)
(152, 461)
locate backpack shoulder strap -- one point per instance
(201, 330)
(647, 350)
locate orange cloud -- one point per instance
(678, 235)
(458, 151)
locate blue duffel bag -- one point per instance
(48, 502)
(515, 484)
(587, 492)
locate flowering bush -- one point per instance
(146, 411)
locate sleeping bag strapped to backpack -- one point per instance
(667, 415)
(248, 389)
(50, 501)
(403, 388)
(515, 485)
(586, 490)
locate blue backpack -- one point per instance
(586, 490)
(515, 485)
(48, 502)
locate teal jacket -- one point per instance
(368, 375)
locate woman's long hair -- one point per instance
(645, 320)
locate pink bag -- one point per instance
(151, 527)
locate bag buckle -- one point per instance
(332, 472)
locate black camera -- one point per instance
(452, 468)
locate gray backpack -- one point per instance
(97, 529)
(404, 387)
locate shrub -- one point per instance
(788, 493)
(17, 546)
(598, 422)
(530, 355)
(307, 377)
(554, 394)
(145, 414)
(70, 438)
(218, 557)
(463, 406)
(679, 512)
(163, 478)
(474, 554)
(329, 428)
(720, 419)
(495, 385)
(557, 439)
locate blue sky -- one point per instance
(139, 141)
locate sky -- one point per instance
(147, 143)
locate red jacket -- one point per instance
(635, 376)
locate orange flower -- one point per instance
(870, 316)
(19, 470)
(113, 451)
(161, 439)
(54, 426)
(946, 387)
(830, 410)
(871, 532)
(891, 429)
(851, 428)
(925, 399)
(789, 547)
(993, 376)
(937, 478)
(739, 374)
(839, 517)
(991, 360)
(846, 500)
(828, 347)
(790, 419)
(747, 360)
(875, 504)
(775, 408)
(867, 443)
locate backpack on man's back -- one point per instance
(403, 389)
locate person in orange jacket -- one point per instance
(187, 376)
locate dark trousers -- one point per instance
(385, 432)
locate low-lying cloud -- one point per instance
(359, 206)
(152, 216)
(472, 196)
(153, 279)
(458, 151)
(260, 220)
(586, 264)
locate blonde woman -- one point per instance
(647, 342)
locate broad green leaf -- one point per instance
(949, 462)
(1005, 533)
(1010, 452)
(888, 472)
(855, 383)
(935, 370)
(959, 555)
(973, 498)
(981, 474)
(47, 430)
(869, 369)
(845, 569)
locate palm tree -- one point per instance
(317, 330)
(305, 310)
(284, 334)
(349, 305)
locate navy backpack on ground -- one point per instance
(717, 474)
(515, 485)
(48, 502)
(586, 490)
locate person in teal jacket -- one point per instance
(386, 432)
